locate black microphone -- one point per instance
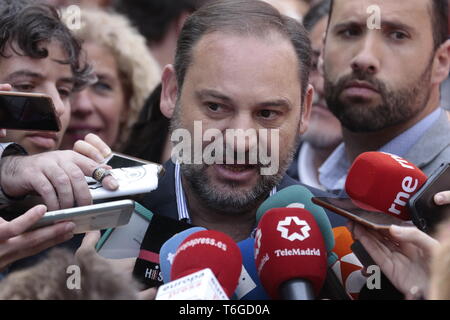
(147, 269)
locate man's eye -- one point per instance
(267, 114)
(64, 93)
(213, 107)
(23, 87)
(398, 35)
(350, 32)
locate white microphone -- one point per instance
(201, 285)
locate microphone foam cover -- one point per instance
(209, 249)
(298, 196)
(348, 268)
(250, 287)
(289, 245)
(383, 182)
(169, 248)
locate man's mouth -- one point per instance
(239, 173)
(239, 167)
(46, 140)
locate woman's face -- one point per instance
(101, 107)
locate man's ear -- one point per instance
(307, 106)
(169, 93)
(441, 65)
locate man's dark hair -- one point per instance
(153, 17)
(316, 13)
(439, 20)
(244, 18)
(26, 25)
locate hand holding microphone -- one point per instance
(403, 255)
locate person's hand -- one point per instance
(93, 147)
(122, 266)
(16, 243)
(5, 87)
(149, 294)
(58, 177)
(403, 255)
(442, 198)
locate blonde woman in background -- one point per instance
(126, 72)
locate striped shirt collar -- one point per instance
(183, 212)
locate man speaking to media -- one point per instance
(239, 66)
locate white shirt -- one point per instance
(307, 173)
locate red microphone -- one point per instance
(348, 268)
(290, 254)
(383, 182)
(209, 249)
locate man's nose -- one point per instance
(60, 107)
(242, 133)
(367, 59)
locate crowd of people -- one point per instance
(134, 72)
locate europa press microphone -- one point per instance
(206, 266)
(169, 248)
(249, 286)
(300, 197)
(290, 254)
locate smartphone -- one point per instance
(94, 217)
(348, 209)
(425, 214)
(28, 111)
(125, 241)
(119, 160)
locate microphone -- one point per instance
(147, 269)
(169, 248)
(290, 254)
(209, 249)
(249, 286)
(383, 182)
(300, 197)
(348, 268)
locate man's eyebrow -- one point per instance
(23, 73)
(391, 24)
(351, 23)
(205, 93)
(31, 74)
(282, 103)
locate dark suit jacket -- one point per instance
(163, 200)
